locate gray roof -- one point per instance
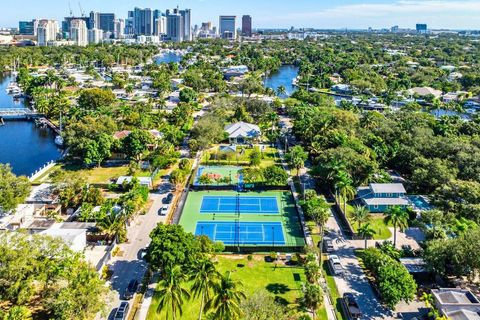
(463, 314)
(386, 201)
(387, 188)
(242, 130)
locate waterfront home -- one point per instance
(456, 304)
(242, 132)
(379, 197)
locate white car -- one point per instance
(335, 265)
(163, 211)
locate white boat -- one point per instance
(59, 140)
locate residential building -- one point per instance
(119, 32)
(456, 304)
(78, 32)
(206, 26)
(175, 26)
(421, 28)
(28, 27)
(142, 181)
(142, 21)
(242, 132)
(187, 24)
(95, 36)
(228, 29)
(102, 21)
(47, 31)
(66, 25)
(247, 26)
(161, 25)
(379, 197)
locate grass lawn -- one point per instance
(283, 282)
(241, 157)
(101, 175)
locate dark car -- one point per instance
(131, 290)
(122, 311)
(328, 246)
(168, 199)
(351, 306)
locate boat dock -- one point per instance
(48, 123)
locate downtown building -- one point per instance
(179, 25)
(47, 31)
(103, 21)
(28, 28)
(95, 36)
(227, 27)
(79, 32)
(140, 22)
(246, 26)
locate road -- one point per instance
(128, 265)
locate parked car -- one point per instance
(131, 289)
(142, 253)
(122, 311)
(335, 265)
(168, 199)
(351, 306)
(327, 246)
(163, 211)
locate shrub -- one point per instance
(249, 257)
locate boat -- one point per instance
(59, 140)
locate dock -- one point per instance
(19, 113)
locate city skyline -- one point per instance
(451, 14)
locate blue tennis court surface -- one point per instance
(233, 233)
(229, 204)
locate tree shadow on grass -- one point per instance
(277, 288)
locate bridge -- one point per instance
(19, 113)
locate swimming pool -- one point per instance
(420, 202)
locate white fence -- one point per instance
(47, 166)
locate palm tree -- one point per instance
(203, 276)
(312, 297)
(111, 224)
(171, 293)
(366, 231)
(397, 216)
(347, 191)
(360, 215)
(226, 299)
(281, 90)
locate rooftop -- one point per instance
(242, 129)
(387, 188)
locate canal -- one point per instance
(283, 77)
(24, 146)
(169, 56)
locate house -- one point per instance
(456, 304)
(425, 91)
(143, 181)
(379, 197)
(242, 132)
(76, 239)
(342, 89)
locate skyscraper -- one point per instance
(78, 32)
(119, 28)
(161, 25)
(95, 36)
(142, 21)
(187, 28)
(28, 27)
(103, 21)
(247, 26)
(228, 28)
(175, 26)
(66, 25)
(46, 32)
(421, 28)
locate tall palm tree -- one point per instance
(204, 275)
(397, 216)
(312, 297)
(226, 299)
(360, 215)
(366, 231)
(281, 90)
(171, 293)
(111, 224)
(346, 190)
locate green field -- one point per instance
(288, 216)
(218, 172)
(283, 282)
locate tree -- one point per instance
(171, 246)
(111, 224)
(255, 158)
(347, 191)
(317, 209)
(94, 99)
(18, 313)
(188, 95)
(360, 215)
(262, 306)
(397, 216)
(275, 176)
(226, 299)
(203, 276)
(13, 190)
(171, 293)
(281, 90)
(312, 297)
(312, 271)
(296, 158)
(366, 231)
(178, 177)
(136, 143)
(252, 175)
(205, 179)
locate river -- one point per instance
(24, 146)
(283, 77)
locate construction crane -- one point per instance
(70, 8)
(81, 10)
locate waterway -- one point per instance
(170, 56)
(24, 146)
(283, 77)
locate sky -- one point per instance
(324, 14)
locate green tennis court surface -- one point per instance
(244, 219)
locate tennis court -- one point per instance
(240, 205)
(242, 233)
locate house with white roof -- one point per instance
(143, 181)
(379, 197)
(457, 304)
(242, 132)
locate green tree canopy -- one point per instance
(13, 190)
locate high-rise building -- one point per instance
(141, 21)
(228, 28)
(161, 25)
(78, 32)
(421, 28)
(247, 26)
(206, 26)
(66, 25)
(187, 28)
(102, 21)
(47, 31)
(95, 36)
(28, 27)
(175, 26)
(119, 32)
